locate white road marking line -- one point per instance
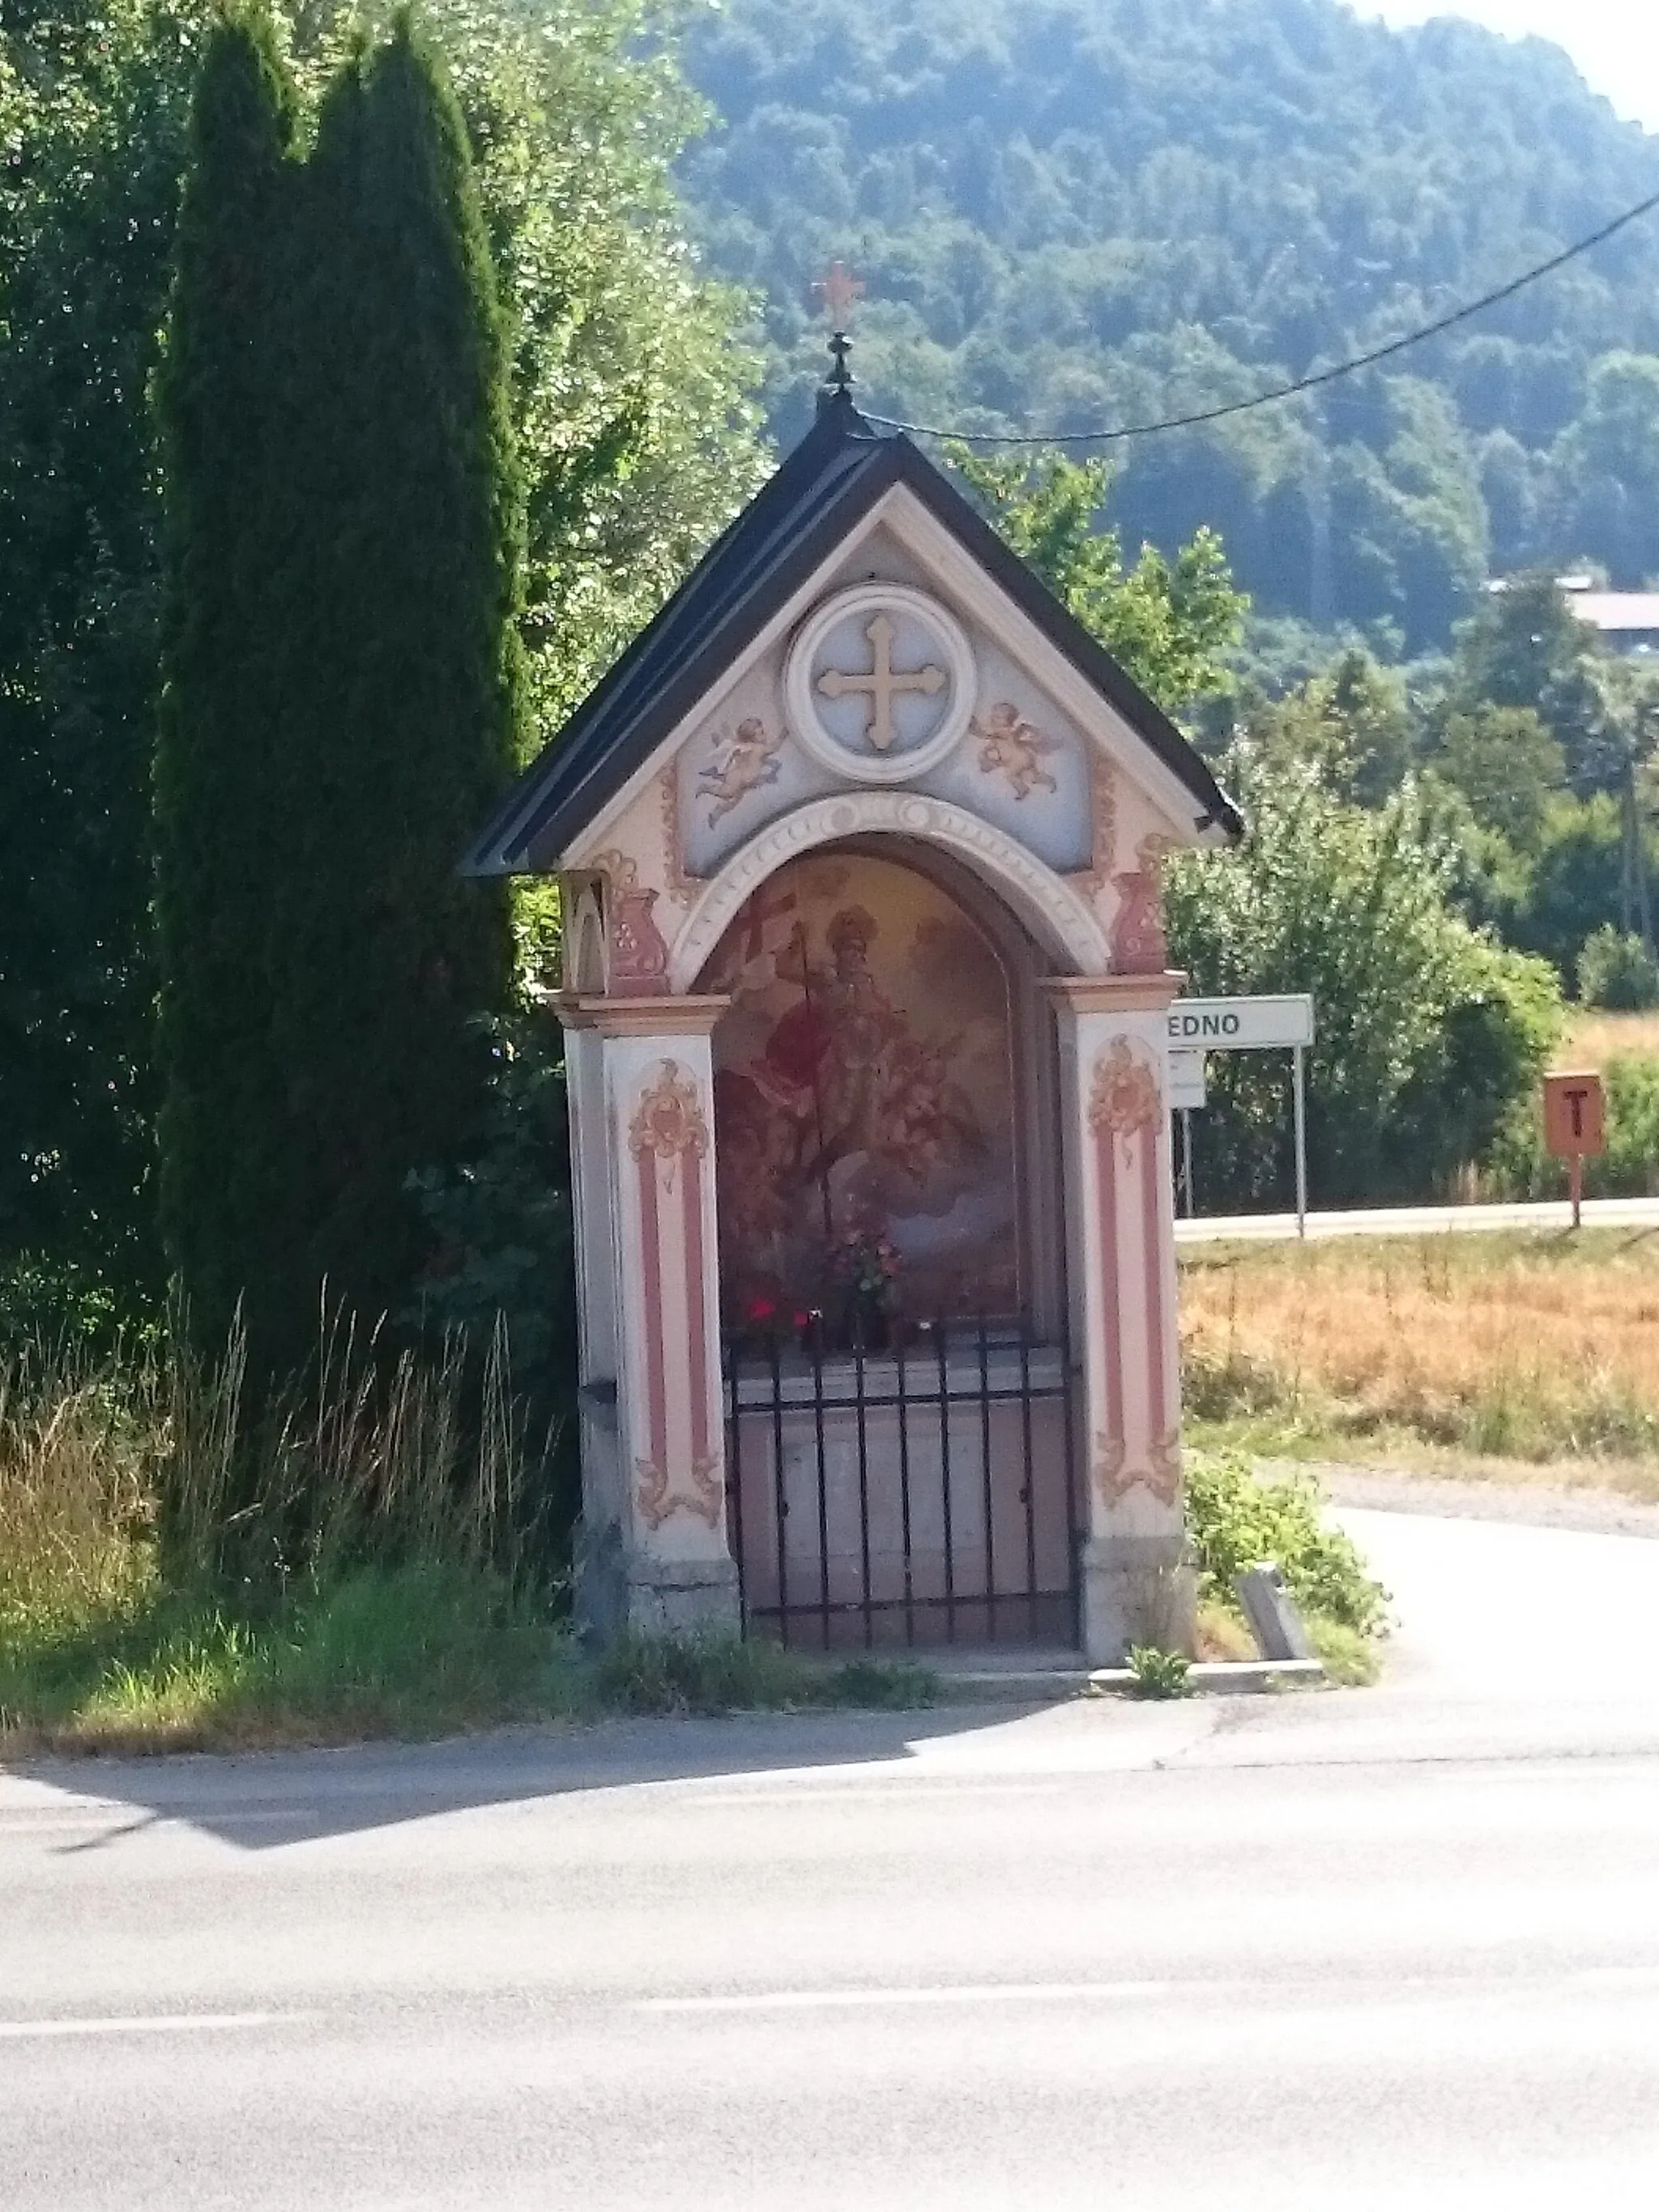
(953, 1993)
(180, 2023)
(1451, 1988)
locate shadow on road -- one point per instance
(260, 1800)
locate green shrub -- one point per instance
(1159, 1673)
(1428, 1032)
(1235, 1519)
(1617, 970)
(1520, 1168)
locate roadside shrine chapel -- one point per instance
(865, 989)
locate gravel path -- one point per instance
(1538, 1505)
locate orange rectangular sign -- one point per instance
(1575, 1116)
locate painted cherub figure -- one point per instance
(749, 759)
(1011, 745)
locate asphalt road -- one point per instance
(1397, 1948)
(1420, 1220)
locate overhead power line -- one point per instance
(1310, 383)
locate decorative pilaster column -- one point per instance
(651, 1550)
(1120, 1224)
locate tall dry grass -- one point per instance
(82, 1448)
(1535, 1348)
(175, 1572)
(410, 1458)
(1594, 1038)
(358, 1562)
(120, 1473)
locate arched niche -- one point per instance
(887, 1067)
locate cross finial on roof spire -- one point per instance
(839, 290)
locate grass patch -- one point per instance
(1532, 1346)
(1224, 1633)
(365, 1571)
(708, 1675)
(1351, 1661)
(419, 1649)
(427, 1650)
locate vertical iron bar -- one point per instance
(781, 1501)
(942, 1352)
(1029, 1490)
(823, 1485)
(904, 1501)
(989, 1488)
(734, 1482)
(864, 1477)
(1074, 1534)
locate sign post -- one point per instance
(1264, 1025)
(1575, 1128)
(1185, 1093)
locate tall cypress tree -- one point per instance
(401, 671)
(372, 655)
(220, 411)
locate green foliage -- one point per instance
(404, 1597)
(221, 405)
(1606, 468)
(1518, 1167)
(379, 1476)
(1236, 1519)
(633, 428)
(1616, 970)
(1507, 765)
(1525, 649)
(1351, 721)
(1351, 1661)
(1427, 1032)
(1107, 212)
(500, 1224)
(1159, 1673)
(341, 688)
(86, 208)
(421, 1650)
(1169, 622)
(635, 425)
(1572, 886)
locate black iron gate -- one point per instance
(920, 1494)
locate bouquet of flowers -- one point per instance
(866, 1265)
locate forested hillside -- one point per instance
(1090, 212)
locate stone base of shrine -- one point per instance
(1138, 1590)
(617, 1593)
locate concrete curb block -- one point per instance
(1217, 1678)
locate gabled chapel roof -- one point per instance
(814, 501)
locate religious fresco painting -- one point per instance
(864, 1098)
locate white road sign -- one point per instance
(1186, 1091)
(1241, 1024)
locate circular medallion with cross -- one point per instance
(880, 683)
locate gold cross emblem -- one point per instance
(883, 682)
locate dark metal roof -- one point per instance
(814, 501)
